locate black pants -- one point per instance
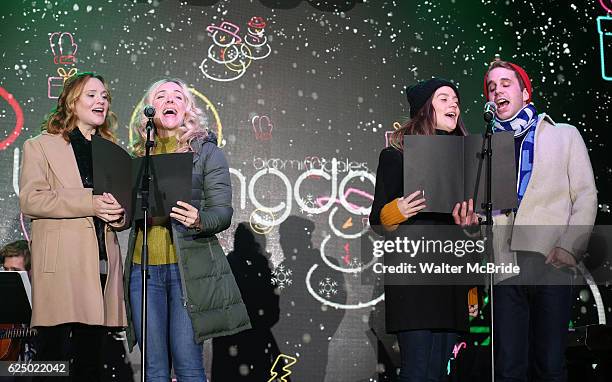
(531, 322)
(81, 345)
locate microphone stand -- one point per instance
(144, 193)
(486, 153)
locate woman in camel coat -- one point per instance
(77, 293)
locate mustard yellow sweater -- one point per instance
(161, 248)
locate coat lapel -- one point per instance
(539, 150)
(61, 160)
(540, 144)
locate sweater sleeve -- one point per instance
(391, 215)
(216, 210)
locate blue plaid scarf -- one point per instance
(523, 124)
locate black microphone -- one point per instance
(149, 111)
(489, 111)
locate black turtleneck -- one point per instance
(82, 152)
(442, 132)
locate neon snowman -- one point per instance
(256, 45)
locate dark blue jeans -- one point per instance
(531, 325)
(425, 354)
(170, 333)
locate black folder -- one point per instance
(445, 167)
(116, 172)
(16, 294)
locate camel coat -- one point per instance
(65, 264)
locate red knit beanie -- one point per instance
(518, 70)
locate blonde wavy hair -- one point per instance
(62, 118)
(195, 124)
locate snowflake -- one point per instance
(327, 287)
(355, 264)
(309, 202)
(281, 277)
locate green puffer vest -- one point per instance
(213, 299)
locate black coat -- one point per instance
(415, 307)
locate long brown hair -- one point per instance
(62, 118)
(423, 123)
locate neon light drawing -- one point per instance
(604, 27)
(232, 52)
(255, 39)
(262, 221)
(8, 97)
(56, 84)
(289, 361)
(316, 296)
(322, 199)
(262, 130)
(66, 53)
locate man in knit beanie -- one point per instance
(557, 207)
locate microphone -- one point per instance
(149, 111)
(489, 111)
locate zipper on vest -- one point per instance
(181, 271)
